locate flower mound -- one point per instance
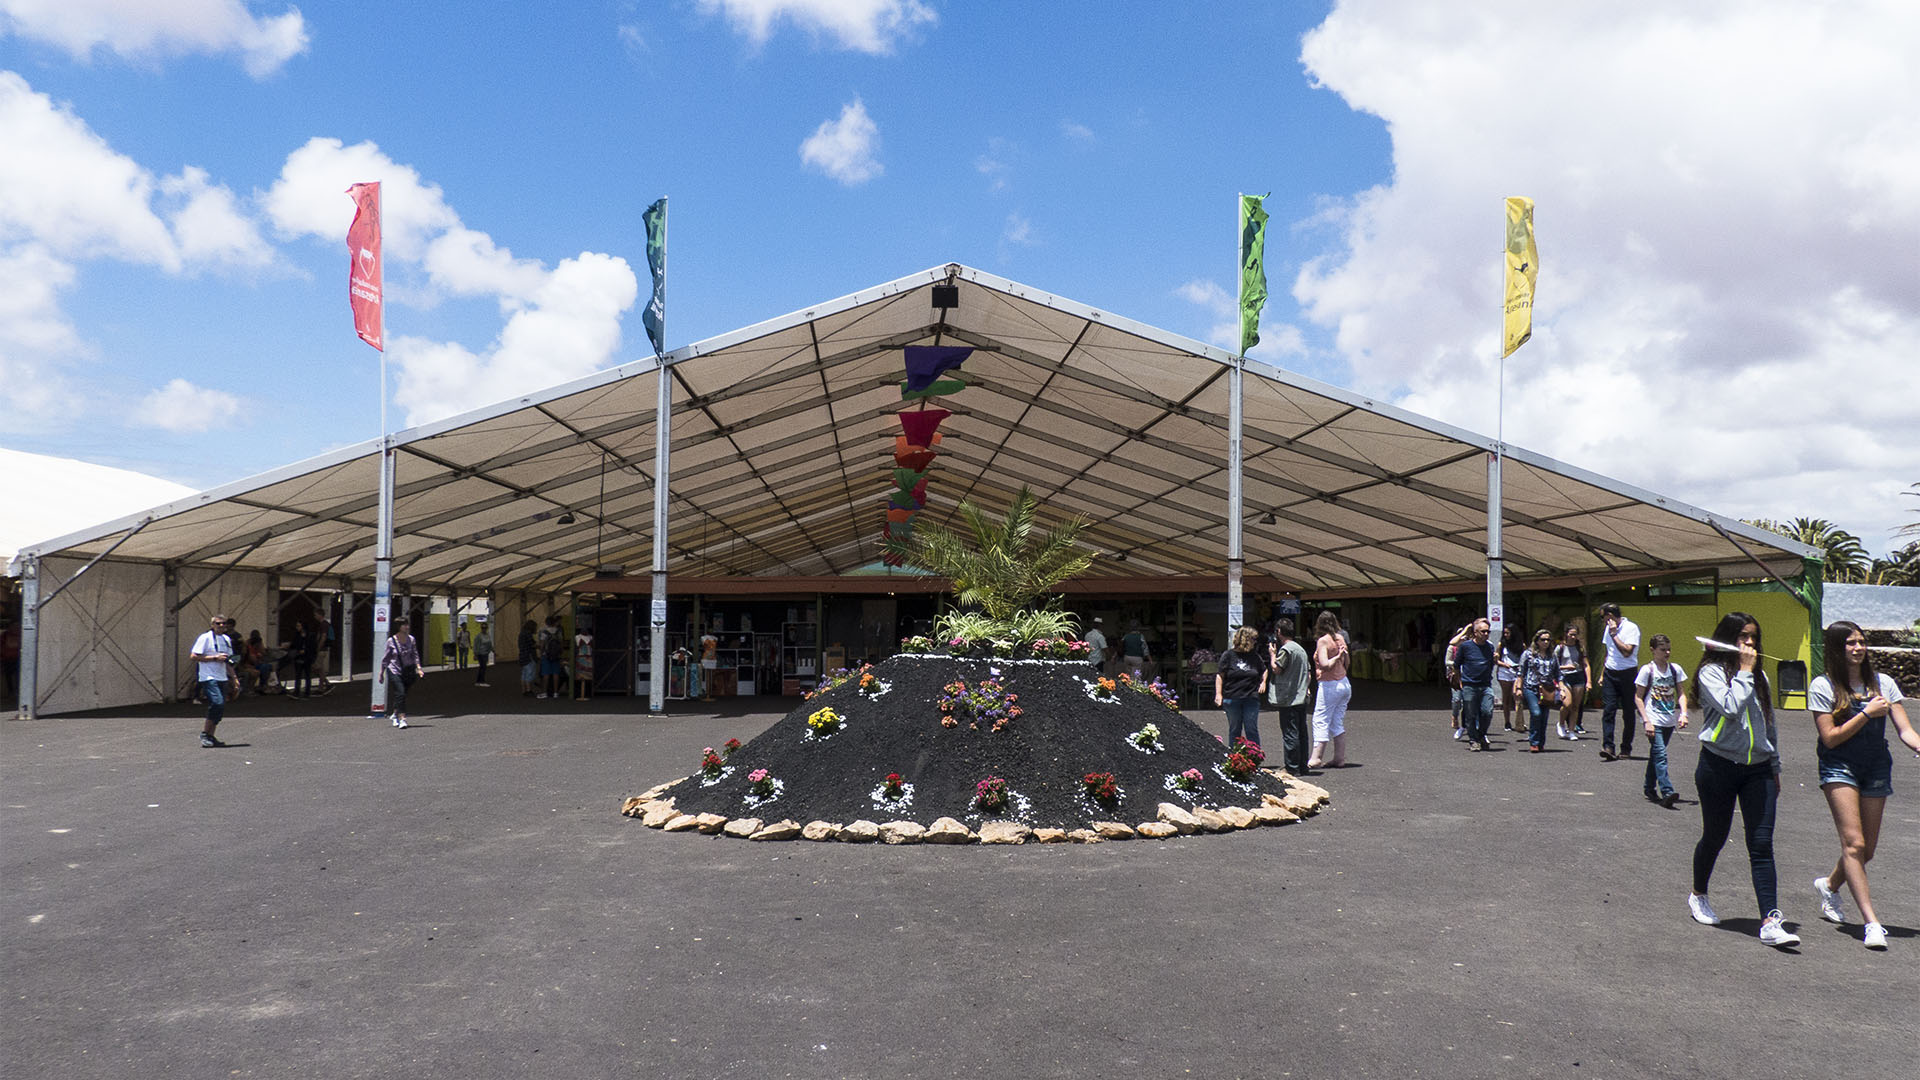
(906, 757)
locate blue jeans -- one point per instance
(216, 701)
(1536, 718)
(1476, 710)
(1243, 719)
(1722, 785)
(1658, 782)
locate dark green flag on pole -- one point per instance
(1253, 271)
(655, 317)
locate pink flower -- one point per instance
(757, 775)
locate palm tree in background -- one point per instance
(1845, 557)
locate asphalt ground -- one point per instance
(334, 898)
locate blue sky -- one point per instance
(1729, 209)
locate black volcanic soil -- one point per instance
(1061, 736)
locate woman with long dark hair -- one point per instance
(1572, 660)
(1850, 705)
(1538, 675)
(1739, 765)
(1506, 669)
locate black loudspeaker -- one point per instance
(946, 296)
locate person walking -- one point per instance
(1572, 660)
(1473, 670)
(1538, 679)
(462, 646)
(399, 668)
(1237, 686)
(1133, 651)
(1621, 637)
(213, 652)
(582, 664)
(1851, 704)
(1506, 668)
(1660, 698)
(304, 646)
(1330, 658)
(482, 653)
(527, 649)
(1096, 646)
(1739, 765)
(1289, 675)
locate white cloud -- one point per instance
(149, 29)
(209, 227)
(845, 149)
(1076, 131)
(185, 408)
(1277, 340)
(995, 164)
(569, 327)
(869, 26)
(1728, 210)
(561, 323)
(37, 342)
(49, 497)
(1018, 231)
(67, 197)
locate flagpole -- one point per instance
(383, 543)
(662, 466)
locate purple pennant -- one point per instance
(925, 363)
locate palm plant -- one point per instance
(1000, 565)
(1845, 558)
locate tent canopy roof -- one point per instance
(782, 462)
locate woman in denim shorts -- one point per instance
(1851, 704)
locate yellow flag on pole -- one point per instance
(1523, 269)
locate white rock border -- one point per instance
(655, 809)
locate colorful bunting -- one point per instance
(938, 389)
(921, 424)
(925, 363)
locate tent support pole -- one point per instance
(29, 637)
(170, 632)
(346, 629)
(1236, 561)
(382, 561)
(657, 610)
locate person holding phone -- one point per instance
(1739, 766)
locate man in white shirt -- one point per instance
(1097, 641)
(1622, 639)
(213, 652)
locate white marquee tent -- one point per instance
(782, 440)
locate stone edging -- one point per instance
(656, 811)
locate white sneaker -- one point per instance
(399, 722)
(1573, 736)
(1876, 936)
(1459, 733)
(1830, 902)
(1560, 731)
(1774, 932)
(1701, 911)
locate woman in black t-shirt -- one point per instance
(1238, 686)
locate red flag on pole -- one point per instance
(365, 276)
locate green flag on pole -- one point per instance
(1253, 271)
(655, 316)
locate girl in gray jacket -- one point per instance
(1739, 764)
